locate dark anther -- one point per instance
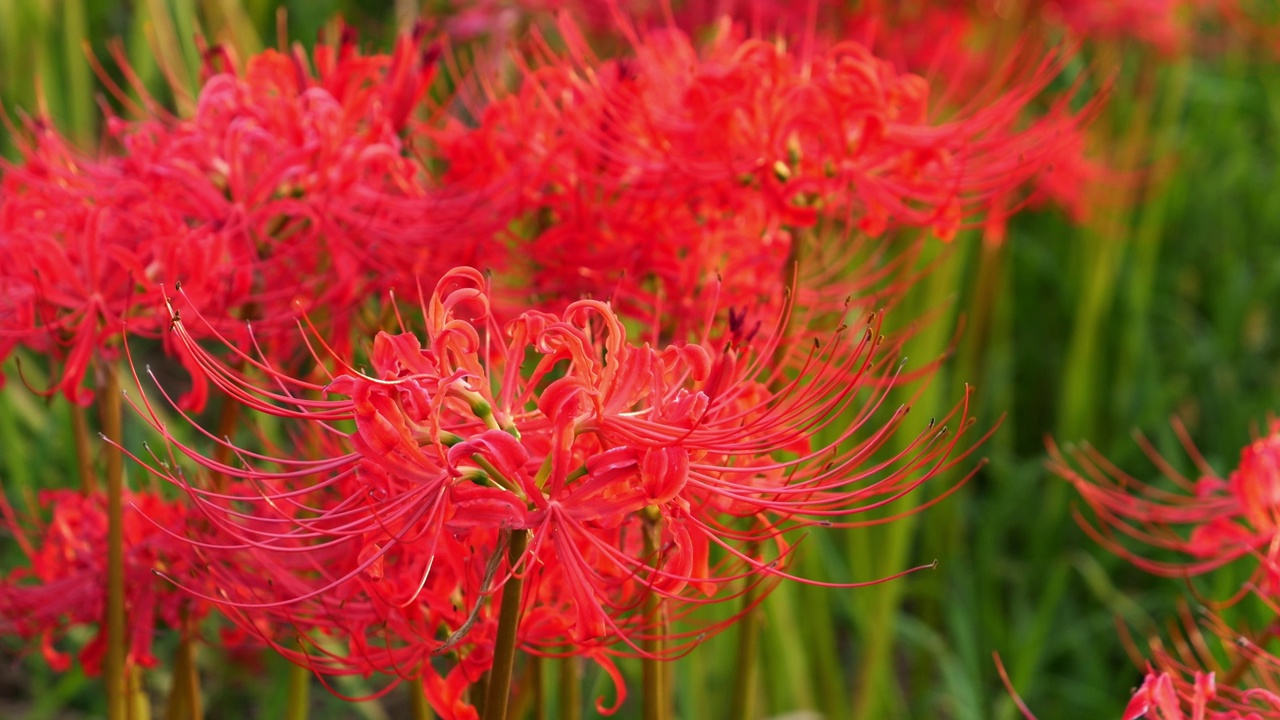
(738, 334)
(349, 36)
(626, 70)
(431, 54)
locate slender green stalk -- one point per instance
(141, 52)
(570, 689)
(138, 704)
(884, 550)
(945, 529)
(84, 450)
(114, 670)
(298, 698)
(178, 707)
(655, 691)
(504, 652)
(479, 692)
(1102, 254)
(418, 707)
(530, 695)
(228, 418)
(169, 51)
(535, 684)
(185, 700)
(77, 93)
(236, 26)
(786, 659)
(15, 468)
(1135, 360)
(742, 706)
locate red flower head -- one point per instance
(289, 190)
(1188, 679)
(1214, 520)
(72, 256)
(66, 583)
(637, 471)
(297, 185)
(645, 174)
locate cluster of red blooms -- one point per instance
(671, 368)
(1164, 25)
(1211, 521)
(68, 573)
(635, 471)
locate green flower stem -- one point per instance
(173, 54)
(228, 419)
(1101, 258)
(884, 550)
(419, 709)
(479, 692)
(504, 652)
(570, 688)
(655, 691)
(79, 111)
(529, 700)
(298, 697)
(139, 705)
(185, 702)
(84, 450)
(743, 702)
(114, 670)
(983, 338)
(742, 705)
(535, 688)
(1151, 228)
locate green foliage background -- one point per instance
(1082, 334)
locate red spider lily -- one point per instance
(649, 169)
(1162, 697)
(969, 66)
(300, 173)
(65, 585)
(672, 472)
(1212, 519)
(1165, 25)
(307, 181)
(1226, 674)
(289, 190)
(1222, 675)
(1168, 26)
(71, 254)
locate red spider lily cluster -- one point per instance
(1212, 522)
(673, 366)
(635, 471)
(273, 199)
(1186, 680)
(63, 586)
